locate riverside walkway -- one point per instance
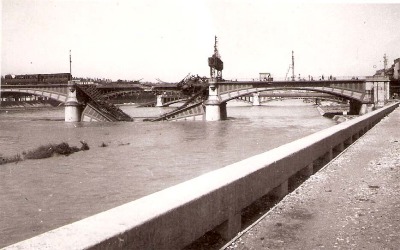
(352, 203)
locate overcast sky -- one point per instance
(168, 39)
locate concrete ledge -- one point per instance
(177, 216)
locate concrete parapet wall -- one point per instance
(177, 216)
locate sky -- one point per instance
(150, 39)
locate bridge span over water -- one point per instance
(87, 103)
(92, 102)
(82, 102)
(364, 94)
(257, 98)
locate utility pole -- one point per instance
(292, 65)
(70, 63)
(385, 60)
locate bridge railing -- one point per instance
(302, 78)
(6, 86)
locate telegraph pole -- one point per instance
(385, 60)
(70, 63)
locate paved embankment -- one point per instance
(352, 203)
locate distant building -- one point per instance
(394, 75)
(266, 77)
(393, 72)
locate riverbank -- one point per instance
(352, 202)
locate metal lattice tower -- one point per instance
(292, 65)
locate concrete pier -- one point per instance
(215, 109)
(159, 101)
(72, 107)
(256, 99)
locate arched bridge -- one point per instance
(364, 94)
(267, 96)
(348, 89)
(94, 101)
(82, 102)
(58, 92)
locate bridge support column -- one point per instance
(380, 90)
(358, 108)
(215, 110)
(355, 107)
(256, 99)
(222, 110)
(159, 101)
(72, 107)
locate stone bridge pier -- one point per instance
(380, 90)
(377, 91)
(256, 99)
(72, 106)
(215, 109)
(160, 101)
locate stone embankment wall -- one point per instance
(177, 216)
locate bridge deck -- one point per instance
(355, 89)
(107, 110)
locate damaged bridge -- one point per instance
(82, 102)
(96, 107)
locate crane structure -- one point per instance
(291, 67)
(215, 63)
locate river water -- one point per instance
(140, 158)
